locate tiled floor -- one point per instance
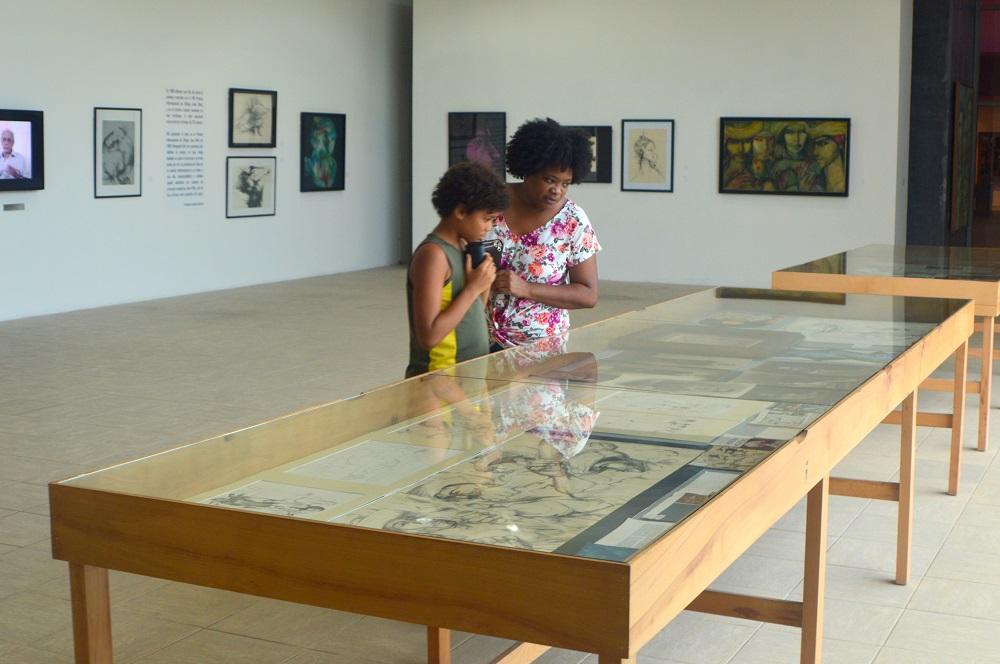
(87, 389)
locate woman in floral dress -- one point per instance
(549, 262)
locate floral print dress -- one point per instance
(542, 256)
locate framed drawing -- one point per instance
(799, 156)
(321, 151)
(250, 186)
(963, 158)
(117, 152)
(22, 150)
(253, 118)
(600, 142)
(648, 155)
(683, 338)
(477, 137)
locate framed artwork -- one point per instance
(22, 150)
(321, 151)
(600, 142)
(477, 137)
(648, 155)
(253, 116)
(962, 157)
(799, 156)
(117, 152)
(250, 186)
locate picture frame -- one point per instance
(600, 142)
(647, 155)
(117, 152)
(253, 118)
(784, 156)
(478, 136)
(25, 132)
(250, 186)
(321, 151)
(963, 158)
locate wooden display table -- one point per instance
(953, 272)
(576, 496)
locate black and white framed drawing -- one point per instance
(117, 152)
(478, 137)
(600, 143)
(253, 118)
(250, 186)
(648, 155)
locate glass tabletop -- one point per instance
(885, 260)
(594, 444)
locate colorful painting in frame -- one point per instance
(600, 142)
(797, 156)
(478, 137)
(321, 160)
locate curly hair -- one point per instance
(540, 143)
(473, 185)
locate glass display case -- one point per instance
(599, 481)
(971, 273)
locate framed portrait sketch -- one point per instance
(963, 159)
(478, 137)
(117, 152)
(600, 142)
(798, 156)
(321, 151)
(250, 186)
(648, 155)
(253, 116)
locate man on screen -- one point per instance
(12, 164)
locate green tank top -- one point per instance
(468, 340)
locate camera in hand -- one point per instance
(479, 250)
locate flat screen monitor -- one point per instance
(22, 150)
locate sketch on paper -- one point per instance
(118, 152)
(250, 186)
(252, 118)
(282, 499)
(734, 410)
(859, 332)
(647, 155)
(739, 459)
(524, 493)
(676, 427)
(793, 415)
(374, 462)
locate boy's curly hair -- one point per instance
(474, 186)
(539, 143)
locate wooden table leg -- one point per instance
(438, 645)
(958, 418)
(815, 572)
(907, 454)
(91, 602)
(986, 381)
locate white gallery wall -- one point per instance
(592, 62)
(67, 250)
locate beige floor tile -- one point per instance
(384, 641)
(23, 529)
(872, 555)
(28, 655)
(774, 647)
(22, 569)
(698, 639)
(26, 617)
(947, 636)
(187, 604)
(759, 575)
(901, 656)
(959, 598)
(883, 529)
(864, 585)
(219, 648)
(317, 657)
(284, 622)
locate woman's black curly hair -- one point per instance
(539, 143)
(474, 186)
